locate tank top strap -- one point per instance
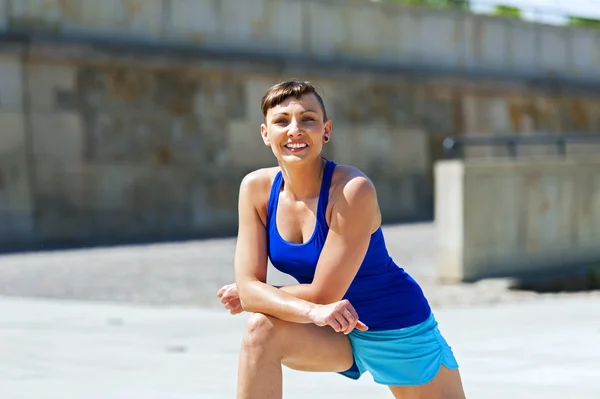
(274, 198)
(324, 193)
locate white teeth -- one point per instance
(295, 145)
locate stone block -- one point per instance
(585, 52)
(198, 21)
(347, 141)
(155, 139)
(112, 202)
(507, 218)
(4, 17)
(15, 190)
(164, 117)
(401, 196)
(378, 147)
(253, 91)
(43, 14)
(141, 18)
(12, 138)
(484, 42)
(377, 103)
(262, 24)
(554, 51)
(86, 203)
(437, 34)
(51, 87)
(409, 151)
(523, 55)
(57, 136)
(220, 99)
(63, 182)
(245, 147)
(214, 204)
(11, 88)
(117, 188)
(449, 216)
(61, 202)
(17, 226)
(17, 229)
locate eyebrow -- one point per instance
(287, 113)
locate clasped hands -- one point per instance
(340, 315)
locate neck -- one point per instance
(303, 181)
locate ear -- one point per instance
(328, 128)
(265, 135)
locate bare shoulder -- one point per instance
(256, 187)
(256, 181)
(354, 198)
(351, 183)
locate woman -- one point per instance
(354, 309)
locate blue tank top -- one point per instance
(383, 294)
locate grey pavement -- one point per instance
(189, 273)
(548, 348)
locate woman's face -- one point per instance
(295, 129)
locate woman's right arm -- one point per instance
(250, 262)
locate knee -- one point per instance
(260, 332)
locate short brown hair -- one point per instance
(290, 88)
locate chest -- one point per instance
(296, 238)
(296, 221)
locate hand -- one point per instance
(340, 316)
(230, 298)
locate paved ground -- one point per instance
(141, 322)
(547, 349)
(188, 274)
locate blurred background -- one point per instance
(133, 122)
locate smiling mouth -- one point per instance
(296, 146)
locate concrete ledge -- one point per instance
(517, 218)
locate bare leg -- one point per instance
(447, 384)
(269, 342)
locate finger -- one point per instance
(226, 289)
(234, 302)
(236, 310)
(226, 299)
(361, 326)
(351, 321)
(351, 309)
(333, 323)
(341, 321)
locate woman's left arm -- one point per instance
(355, 216)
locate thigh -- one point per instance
(447, 384)
(307, 347)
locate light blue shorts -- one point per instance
(405, 357)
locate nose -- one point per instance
(294, 129)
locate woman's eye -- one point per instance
(310, 119)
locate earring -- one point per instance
(326, 138)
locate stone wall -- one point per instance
(358, 30)
(533, 218)
(104, 153)
(109, 145)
